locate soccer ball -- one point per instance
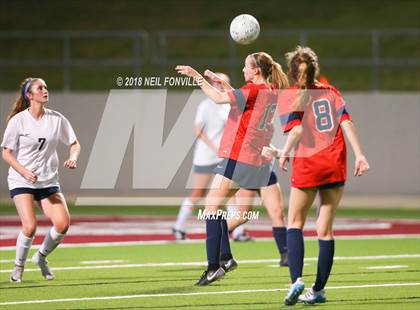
(244, 29)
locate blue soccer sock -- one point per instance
(280, 235)
(214, 234)
(296, 252)
(325, 262)
(225, 251)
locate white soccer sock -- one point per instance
(184, 213)
(51, 241)
(241, 228)
(238, 231)
(23, 245)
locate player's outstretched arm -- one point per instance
(74, 151)
(213, 93)
(214, 77)
(361, 164)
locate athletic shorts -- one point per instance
(204, 169)
(245, 175)
(38, 193)
(327, 185)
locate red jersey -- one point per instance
(250, 124)
(320, 155)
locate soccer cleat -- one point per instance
(243, 237)
(179, 234)
(284, 262)
(42, 262)
(229, 265)
(209, 276)
(313, 297)
(16, 275)
(295, 290)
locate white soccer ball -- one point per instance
(244, 29)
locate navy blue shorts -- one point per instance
(204, 169)
(245, 175)
(331, 185)
(38, 193)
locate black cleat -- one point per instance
(179, 234)
(284, 261)
(229, 265)
(209, 276)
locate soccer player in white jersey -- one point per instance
(209, 124)
(29, 147)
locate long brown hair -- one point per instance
(271, 71)
(303, 68)
(22, 102)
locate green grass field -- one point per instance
(127, 285)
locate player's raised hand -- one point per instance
(70, 164)
(188, 71)
(361, 165)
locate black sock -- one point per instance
(214, 234)
(295, 252)
(325, 262)
(280, 235)
(225, 251)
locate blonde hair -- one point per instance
(22, 102)
(271, 71)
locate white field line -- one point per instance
(249, 261)
(385, 267)
(93, 262)
(194, 241)
(196, 294)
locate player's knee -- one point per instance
(324, 233)
(29, 229)
(63, 225)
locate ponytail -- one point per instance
(22, 102)
(271, 71)
(303, 68)
(278, 77)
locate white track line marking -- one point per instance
(385, 267)
(195, 294)
(93, 262)
(250, 261)
(6, 260)
(195, 241)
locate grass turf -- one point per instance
(363, 212)
(249, 276)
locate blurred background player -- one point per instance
(29, 147)
(210, 120)
(316, 119)
(247, 131)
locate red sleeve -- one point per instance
(241, 97)
(340, 107)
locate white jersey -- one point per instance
(213, 117)
(34, 143)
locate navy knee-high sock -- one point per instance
(295, 252)
(214, 234)
(225, 251)
(325, 262)
(280, 235)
